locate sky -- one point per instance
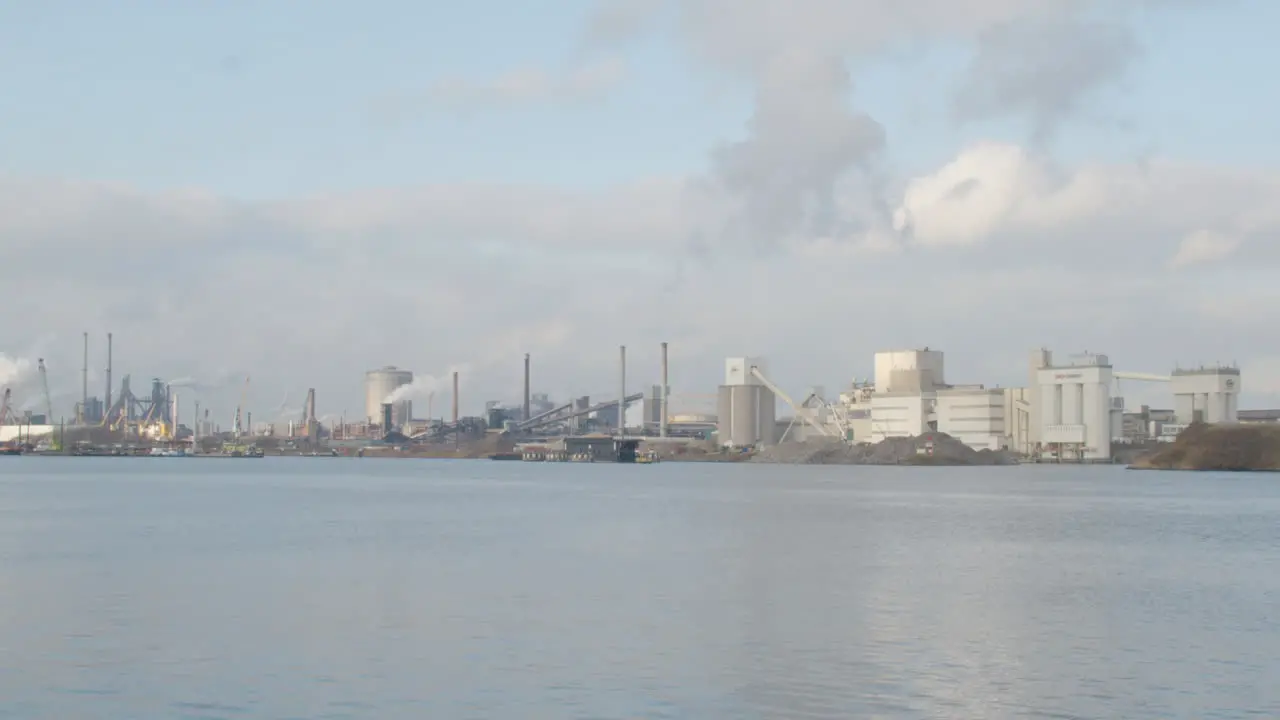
(298, 192)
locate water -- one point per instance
(335, 588)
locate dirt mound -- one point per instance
(1218, 447)
(931, 449)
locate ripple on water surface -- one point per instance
(307, 588)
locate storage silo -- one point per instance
(380, 385)
(747, 416)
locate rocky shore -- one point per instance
(1232, 448)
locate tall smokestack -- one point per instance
(108, 397)
(622, 393)
(455, 400)
(84, 378)
(662, 405)
(457, 431)
(526, 387)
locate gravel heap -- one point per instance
(892, 451)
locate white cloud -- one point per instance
(1204, 246)
(312, 292)
(994, 190)
(13, 370)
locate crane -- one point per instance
(44, 385)
(244, 393)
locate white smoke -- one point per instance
(424, 385)
(14, 371)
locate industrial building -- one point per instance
(1078, 419)
(975, 416)
(379, 386)
(906, 386)
(746, 405)
(911, 397)
(1206, 394)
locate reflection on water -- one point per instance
(318, 588)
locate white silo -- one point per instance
(381, 384)
(746, 407)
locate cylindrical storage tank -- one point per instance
(747, 415)
(379, 385)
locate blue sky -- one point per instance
(109, 109)
(253, 99)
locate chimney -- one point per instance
(457, 431)
(84, 377)
(526, 387)
(662, 404)
(107, 400)
(622, 393)
(455, 397)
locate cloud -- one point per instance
(1043, 68)
(784, 180)
(1204, 246)
(799, 239)
(14, 370)
(477, 275)
(998, 191)
(810, 165)
(618, 21)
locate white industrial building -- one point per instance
(912, 398)
(1068, 411)
(974, 416)
(901, 414)
(906, 384)
(747, 407)
(1209, 395)
(1077, 418)
(11, 433)
(378, 387)
(909, 370)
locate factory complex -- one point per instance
(1071, 409)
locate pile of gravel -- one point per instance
(946, 450)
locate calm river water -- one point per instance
(343, 588)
